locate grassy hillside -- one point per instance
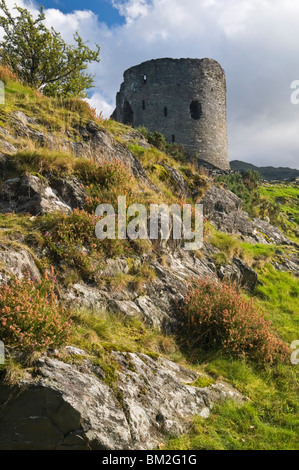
(276, 202)
(66, 242)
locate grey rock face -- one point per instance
(30, 194)
(249, 277)
(67, 406)
(70, 191)
(158, 303)
(184, 99)
(18, 262)
(178, 181)
(33, 195)
(97, 143)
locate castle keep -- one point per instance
(184, 99)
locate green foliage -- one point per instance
(284, 197)
(70, 239)
(40, 161)
(225, 242)
(245, 186)
(277, 202)
(279, 295)
(158, 140)
(267, 421)
(97, 331)
(216, 317)
(202, 381)
(31, 318)
(41, 58)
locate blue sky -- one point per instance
(255, 41)
(103, 8)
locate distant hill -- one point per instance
(267, 172)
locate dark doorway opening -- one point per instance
(128, 114)
(195, 110)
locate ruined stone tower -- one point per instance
(184, 99)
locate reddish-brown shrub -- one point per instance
(6, 75)
(30, 315)
(216, 317)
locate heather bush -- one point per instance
(71, 240)
(31, 317)
(216, 317)
(6, 75)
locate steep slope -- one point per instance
(58, 162)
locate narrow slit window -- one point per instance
(143, 104)
(195, 110)
(165, 111)
(173, 138)
(144, 78)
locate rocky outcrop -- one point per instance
(156, 302)
(96, 143)
(30, 194)
(16, 261)
(69, 406)
(224, 209)
(178, 181)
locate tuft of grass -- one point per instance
(268, 419)
(226, 243)
(40, 161)
(98, 331)
(202, 381)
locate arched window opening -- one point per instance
(195, 110)
(165, 111)
(128, 114)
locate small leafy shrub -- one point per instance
(31, 318)
(216, 317)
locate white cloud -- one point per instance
(131, 9)
(255, 41)
(100, 103)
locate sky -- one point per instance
(255, 41)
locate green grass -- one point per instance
(278, 295)
(59, 117)
(268, 419)
(224, 242)
(287, 196)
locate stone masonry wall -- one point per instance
(184, 99)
